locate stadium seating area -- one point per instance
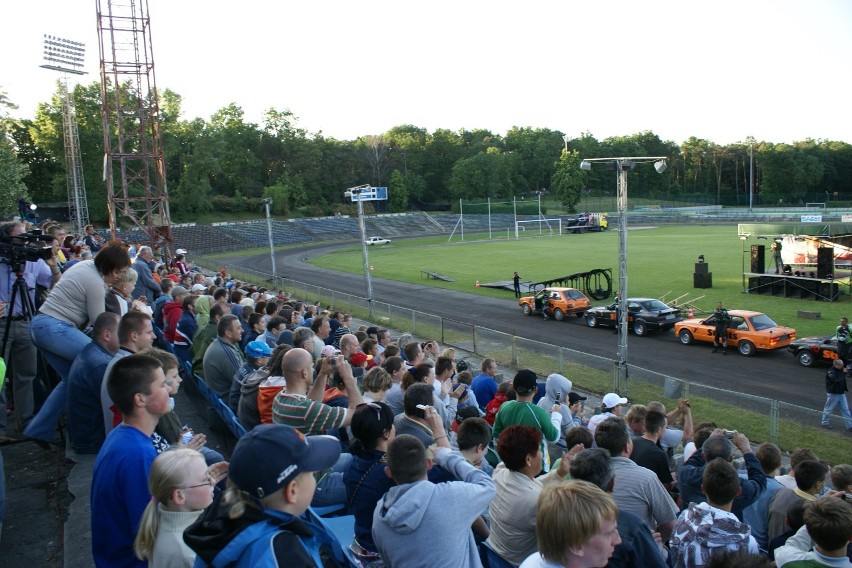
(231, 235)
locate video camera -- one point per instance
(26, 247)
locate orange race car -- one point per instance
(748, 332)
(558, 301)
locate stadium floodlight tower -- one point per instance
(360, 194)
(622, 166)
(67, 57)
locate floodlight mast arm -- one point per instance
(622, 166)
(355, 193)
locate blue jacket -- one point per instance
(690, 480)
(145, 284)
(259, 539)
(84, 417)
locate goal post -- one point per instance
(539, 227)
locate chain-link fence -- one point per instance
(761, 419)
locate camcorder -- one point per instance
(26, 247)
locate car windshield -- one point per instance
(654, 306)
(762, 321)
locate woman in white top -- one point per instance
(512, 511)
(182, 487)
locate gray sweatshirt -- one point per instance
(427, 525)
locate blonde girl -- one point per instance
(181, 487)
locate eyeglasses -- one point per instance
(208, 483)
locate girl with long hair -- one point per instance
(181, 487)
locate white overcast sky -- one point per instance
(778, 70)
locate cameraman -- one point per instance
(20, 353)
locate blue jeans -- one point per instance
(59, 342)
(330, 489)
(831, 402)
(44, 423)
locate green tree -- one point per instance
(397, 193)
(12, 170)
(568, 180)
(536, 150)
(484, 175)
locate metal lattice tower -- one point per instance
(133, 146)
(67, 56)
(78, 208)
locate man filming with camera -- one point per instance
(19, 352)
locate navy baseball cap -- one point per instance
(272, 455)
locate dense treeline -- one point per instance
(226, 164)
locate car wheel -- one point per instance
(640, 328)
(806, 358)
(685, 336)
(591, 320)
(746, 348)
(558, 314)
(527, 310)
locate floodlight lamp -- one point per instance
(660, 166)
(585, 165)
(627, 165)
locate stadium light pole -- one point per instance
(268, 203)
(622, 166)
(356, 193)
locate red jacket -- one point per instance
(492, 407)
(171, 314)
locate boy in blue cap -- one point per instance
(256, 522)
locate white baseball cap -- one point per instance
(180, 251)
(611, 400)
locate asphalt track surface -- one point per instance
(774, 374)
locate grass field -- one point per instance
(660, 262)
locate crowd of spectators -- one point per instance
(437, 467)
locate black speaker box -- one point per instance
(702, 267)
(758, 259)
(825, 262)
(701, 280)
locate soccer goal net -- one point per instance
(538, 227)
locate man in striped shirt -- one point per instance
(300, 404)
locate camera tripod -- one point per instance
(18, 293)
(18, 296)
